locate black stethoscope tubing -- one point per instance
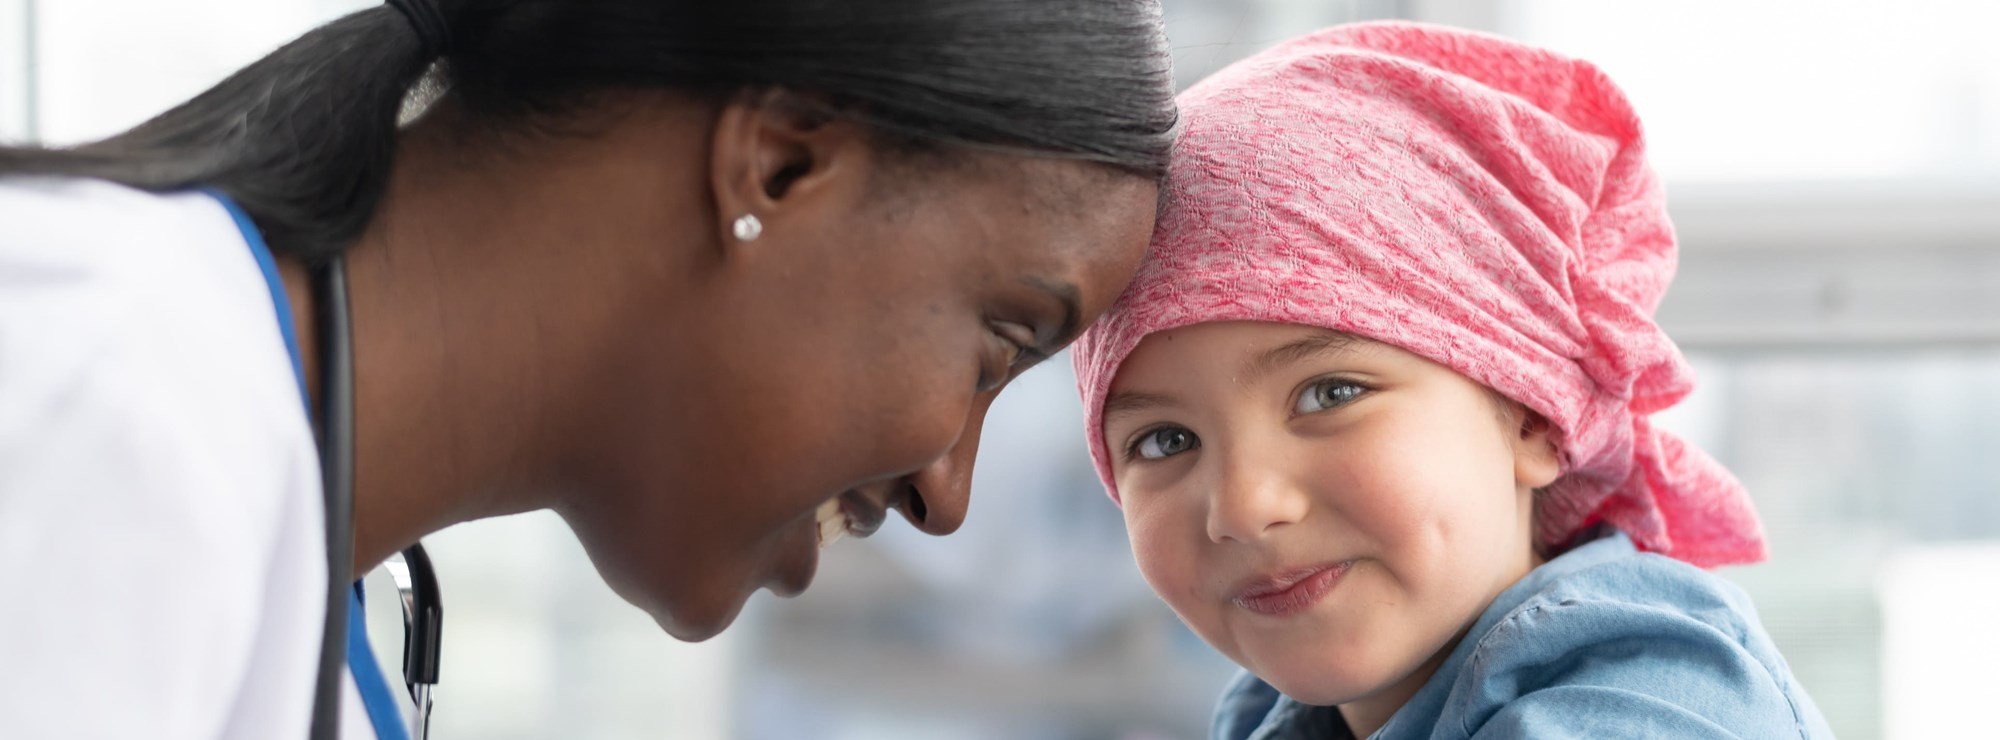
(422, 610)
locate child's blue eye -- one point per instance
(1165, 442)
(1327, 394)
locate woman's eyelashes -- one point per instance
(1327, 393)
(1162, 442)
(1012, 349)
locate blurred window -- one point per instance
(1778, 90)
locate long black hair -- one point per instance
(304, 138)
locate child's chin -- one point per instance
(1318, 686)
(1332, 674)
(1319, 693)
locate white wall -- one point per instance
(16, 53)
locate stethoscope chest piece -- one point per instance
(423, 629)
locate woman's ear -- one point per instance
(1537, 463)
(774, 155)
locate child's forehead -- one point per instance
(1242, 349)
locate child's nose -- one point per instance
(1254, 497)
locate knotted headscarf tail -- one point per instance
(1479, 202)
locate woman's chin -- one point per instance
(696, 625)
(688, 609)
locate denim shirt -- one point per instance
(1603, 641)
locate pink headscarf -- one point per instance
(1481, 203)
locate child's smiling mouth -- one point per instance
(1290, 591)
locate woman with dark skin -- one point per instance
(552, 304)
(684, 399)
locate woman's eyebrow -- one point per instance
(1127, 402)
(1317, 344)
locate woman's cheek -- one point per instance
(929, 409)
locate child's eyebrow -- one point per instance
(1131, 401)
(1312, 345)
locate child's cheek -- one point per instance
(1439, 486)
(1166, 544)
(1386, 494)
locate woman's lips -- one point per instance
(1292, 591)
(864, 514)
(798, 562)
(848, 513)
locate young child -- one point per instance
(1376, 408)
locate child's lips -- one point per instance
(1290, 591)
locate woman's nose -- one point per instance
(936, 497)
(1253, 498)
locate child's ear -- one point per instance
(1536, 461)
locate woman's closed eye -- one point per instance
(1012, 349)
(1162, 442)
(1327, 393)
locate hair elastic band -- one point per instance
(428, 21)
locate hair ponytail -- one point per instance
(303, 139)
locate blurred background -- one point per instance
(1834, 168)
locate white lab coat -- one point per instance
(162, 567)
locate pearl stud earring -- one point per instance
(747, 228)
